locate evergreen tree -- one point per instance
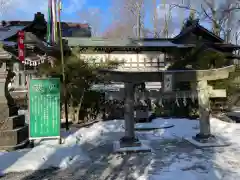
(80, 74)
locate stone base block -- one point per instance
(12, 122)
(13, 137)
(129, 142)
(141, 147)
(24, 144)
(151, 126)
(4, 113)
(211, 142)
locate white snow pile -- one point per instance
(45, 155)
(213, 163)
(220, 163)
(49, 153)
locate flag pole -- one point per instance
(63, 66)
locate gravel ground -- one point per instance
(109, 166)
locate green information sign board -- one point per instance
(44, 108)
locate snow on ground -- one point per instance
(47, 154)
(173, 162)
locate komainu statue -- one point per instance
(12, 105)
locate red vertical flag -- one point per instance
(21, 47)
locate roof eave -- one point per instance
(196, 26)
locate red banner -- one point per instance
(21, 47)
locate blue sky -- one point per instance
(72, 9)
(24, 9)
(72, 13)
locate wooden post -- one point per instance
(204, 110)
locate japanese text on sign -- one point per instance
(44, 101)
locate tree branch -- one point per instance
(184, 7)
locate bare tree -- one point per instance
(135, 11)
(3, 5)
(167, 21)
(155, 19)
(221, 14)
(161, 17)
(159, 24)
(118, 30)
(129, 16)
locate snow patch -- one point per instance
(42, 157)
(198, 164)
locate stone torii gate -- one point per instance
(169, 78)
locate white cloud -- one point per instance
(22, 9)
(175, 13)
(74, 5)
(25, 9)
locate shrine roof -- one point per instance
(69, 29)
(64, 24)
(9, 31)
(128, 42)
(4, 55)
(199, 30)
(38, 26)
(227, 46)
(8, 43)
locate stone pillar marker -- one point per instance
(129, 111)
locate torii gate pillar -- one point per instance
(129, 139)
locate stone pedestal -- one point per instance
(13, 133)
(13, 130)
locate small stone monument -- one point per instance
(13, 130)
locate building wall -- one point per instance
(132, 61)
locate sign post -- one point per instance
(44, 108)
